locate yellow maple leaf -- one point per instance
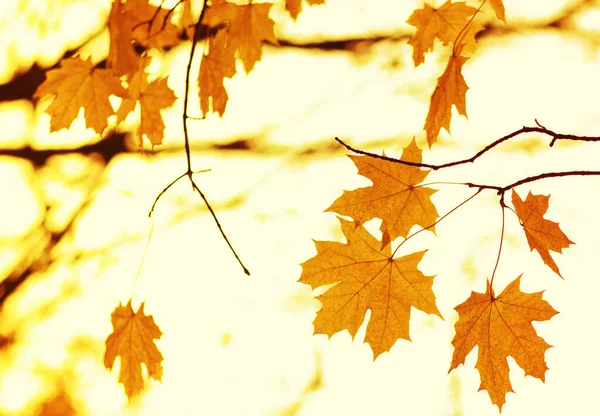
(218, 64)
(498, 6)
(444, 23)
(451, 90)
(542, 234)
(249, 26)
(501, 326)
(395, 196)
(367, 277)
(294, 7)
(153, 97)
(77, 83)
(133, 340)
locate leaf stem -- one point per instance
(502, 205)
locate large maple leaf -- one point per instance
(367, 278)
(294, 7)
(443, 23)
(249, 26)
(394, 196)
(451, 90)
(77, 83)
(217, 65)
(133, 340)
(153, 97)
(501, 326)
(542, 234)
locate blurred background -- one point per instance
(74, 220)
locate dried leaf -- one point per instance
(451, 90)
(294, 7)
(153, 97)
(218, 64)
(249, 26)
(77, 83)
(542, 234)
(501, 326)
(133, 340)
(394, 196)
(443, 23)
(367, 278)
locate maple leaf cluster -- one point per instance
(366, 274)
(449, 23)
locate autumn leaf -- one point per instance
(294, 7)
(249, 26)
(150, 25)
(133, 340)
(217, 65)
(542, 234)
(153, 97)
(122, 57)
(444, 23)
(394, 196)
(501, 326)
(451, 90)
(367, 278)
(77, 83)
(498, 6)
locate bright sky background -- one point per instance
(238, 345)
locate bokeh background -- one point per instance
(74, 223)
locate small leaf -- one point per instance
(133, 340)
(294, 7)
(217, 65)
(451, 90)
(542, 234)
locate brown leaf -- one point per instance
(394, 196)
(77, 83)
(501, 326)
(249, 26)
(133, 340)
(153, 97)
(217, 65)
(542, 234)
(294, 7)
(451, 90)
(367, 278)
(443, 23)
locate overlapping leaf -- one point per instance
(217, 65)
(153, 97)
(76, 84)
(367, 277)
(542, 234)
(395, 196)
(501, 326)
(132, 339)
(294, 7)
(248, 27)
(451, 90)
(444, 23)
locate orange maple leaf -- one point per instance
(77, 83)
(153, 97)
(133, 340)
(218, 64)
(498, 6)
(501, 326)
(444, 23)
(451, 90)
(542, 234)
(249, 26)
(394, 196)
(294, 7)
(121, 55)
(367, 278)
